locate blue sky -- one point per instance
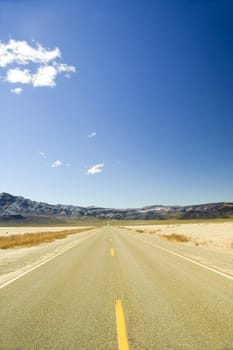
(153, 80)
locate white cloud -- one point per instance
(21, 53)
(17, 75)
(96, 169)
(17, 91)
(63, 67)
(42, 154)
(45, 76)
(56, 164)
(92, 134)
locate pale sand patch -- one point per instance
(212, 235)
(32, 229)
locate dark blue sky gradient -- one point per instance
(154, 80)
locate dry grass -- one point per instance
(232, 245)
(154, 232)
(31, 239)
(175, 237)
(145, 231)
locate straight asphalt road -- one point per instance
(114, 291)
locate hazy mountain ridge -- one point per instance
(18, 208)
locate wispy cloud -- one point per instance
(91, 135)
(17, 91)
(64, 68)
(42, 154)
(96, 169)
(56, 164)
(20, 53)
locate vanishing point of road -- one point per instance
(116, 290)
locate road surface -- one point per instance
(114, 291)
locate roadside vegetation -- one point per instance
(31, 239)
(151, 232)
(175, 237)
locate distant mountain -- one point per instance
(20, 208)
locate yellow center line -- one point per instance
(112, 252)
(121, 327)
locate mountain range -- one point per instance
(18, 208)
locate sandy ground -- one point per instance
(211, 235)
(32, 229)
